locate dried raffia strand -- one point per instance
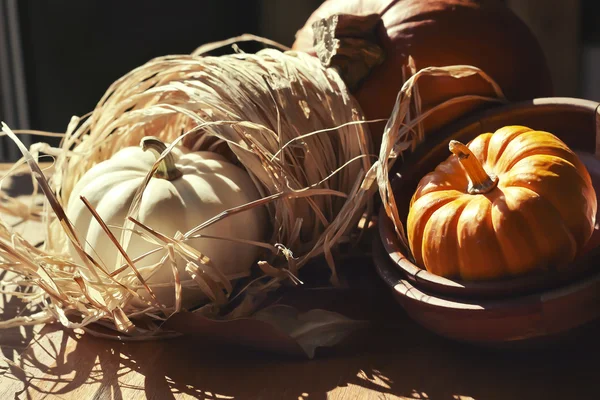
(403, 130)
(288, 121)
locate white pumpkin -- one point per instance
(200, 185)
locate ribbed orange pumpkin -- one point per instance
(482, 33)
(508, 203)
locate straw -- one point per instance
(288, 121)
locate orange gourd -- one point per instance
(509, 203)
(374, 39)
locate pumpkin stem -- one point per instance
(480, 181)
(166, 168)
(349, 44)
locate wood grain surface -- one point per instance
(394, 359)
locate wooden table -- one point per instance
(394, 358)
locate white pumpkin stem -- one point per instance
(166, 168)
(480, 181)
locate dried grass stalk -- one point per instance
(404, 130)
(290, 122)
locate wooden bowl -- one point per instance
(521, 321)
(574, 121)
(501, 311)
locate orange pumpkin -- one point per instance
(434, 33)
(507, 204)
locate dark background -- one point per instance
(75, 49)
(72, 50)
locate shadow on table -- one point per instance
(396, 358)
(14, 340)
